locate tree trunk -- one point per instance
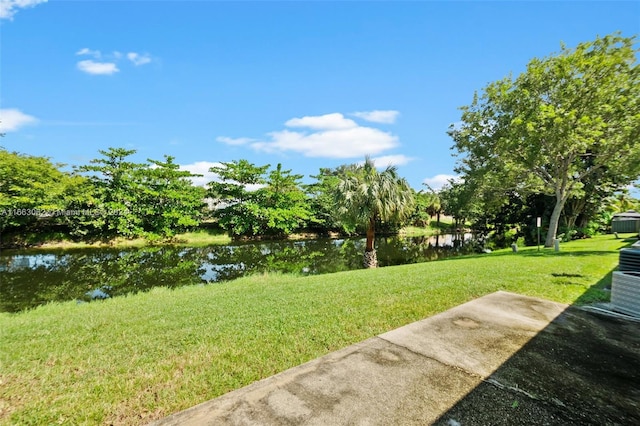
(370, 257)
(371, 233)
(555, 219)
(571, 222)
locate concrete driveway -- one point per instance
(503, 359)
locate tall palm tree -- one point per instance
(365, 195)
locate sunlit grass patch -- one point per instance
(202, 238)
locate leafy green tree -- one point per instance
(238, 180)
(321, 201)
(422, 212)
(622, 202)
(285, 204)
(238, 203)
(116, 190)
(458, 201)
(168, 201)
(433, 204)
(152, 200)
(583, 212)
(365, 195)
(80, 198)
(251, 204)
(564, 119)
(29, 186)
(428, 205)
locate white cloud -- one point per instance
(323, 122)
(329, 136)
(12, 119)
(234, 141)
(344, 143)
(86, 51)
(201, 168)
(378, 116)
(97, 68)
(107, 64)
(438, 181)
(8, 8)
(137, 58)
(391, 160)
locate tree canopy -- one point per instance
(128, 199)
(29, 185)
(250, 203)
(567, 118)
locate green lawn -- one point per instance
(133, 359)
(445, 226)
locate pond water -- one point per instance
(32, 278)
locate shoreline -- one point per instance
(201, 238)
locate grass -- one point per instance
(133, 359)
(445, 226)
(192, 239)
(202, 238)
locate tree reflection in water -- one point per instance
(29, 279)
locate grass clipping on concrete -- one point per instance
(133, 359)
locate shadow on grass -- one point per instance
(599, 292)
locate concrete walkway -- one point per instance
(503, 359)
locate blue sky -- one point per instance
(305, 84)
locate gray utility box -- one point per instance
(625, 292)
(625, 286)
(629, 260)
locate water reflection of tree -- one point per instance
(67, 276)
(86, 274)
(24, 287)
(399, 251)
(296, 257)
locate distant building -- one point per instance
(626, 222)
